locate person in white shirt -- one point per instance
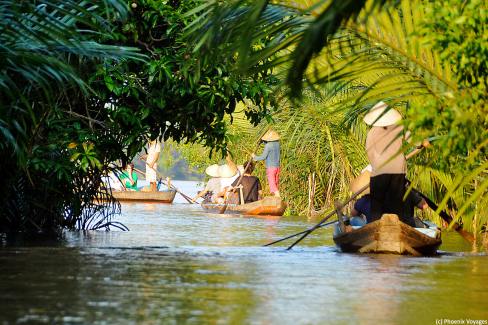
(152, 158)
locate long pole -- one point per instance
(299, 233)
(339, 207)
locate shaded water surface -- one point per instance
(179, 265)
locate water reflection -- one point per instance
(180, 265)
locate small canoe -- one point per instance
(389, 235)
(269, 206)
(145, 197)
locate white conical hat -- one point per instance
(381, 115)
(271, 135)
(213, 170)
(227, 171)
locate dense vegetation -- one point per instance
(426, 59)
(83, 87)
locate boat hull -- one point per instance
(269, 206)
(388, 235)
(145, 197)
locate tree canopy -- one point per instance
(83, 88)
(426, 59)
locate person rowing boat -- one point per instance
(388, 183)
(271, 154)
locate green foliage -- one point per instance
(457, 31)
(241, 25)
(47, 47)
(85, 85)
(313, 141)
(426, 59)
(174, 93)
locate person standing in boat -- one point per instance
(384, 144)
(361, 211)
(152, 158)
(271, 154)
(129, 178)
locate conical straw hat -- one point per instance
(360, 181)
(213, 170)
(227, 171)
(271, 135)
(381, 115)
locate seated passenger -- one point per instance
(251, 186)
(362, 207)
(228, 174)
(361, 212)
(212, 189)
(129, 178)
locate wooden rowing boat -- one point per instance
(389, 235)
(269, 206)
(145, 197)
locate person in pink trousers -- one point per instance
(271, 155)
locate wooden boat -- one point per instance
(389, 235)
(145, 197)
(269, 206)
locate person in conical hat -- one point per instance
(228, 174)
(271, 155)
(212, 188)
(213, 170)
(381, 115)
(271, 135)
(384, 144)
(227, 171)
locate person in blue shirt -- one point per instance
(271, 154)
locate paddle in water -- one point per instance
(339, 206)
(299, 233)
(447, 218)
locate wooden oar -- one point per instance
(447, 218)
(299, 233)
(186, 197)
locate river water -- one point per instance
(179, 265)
